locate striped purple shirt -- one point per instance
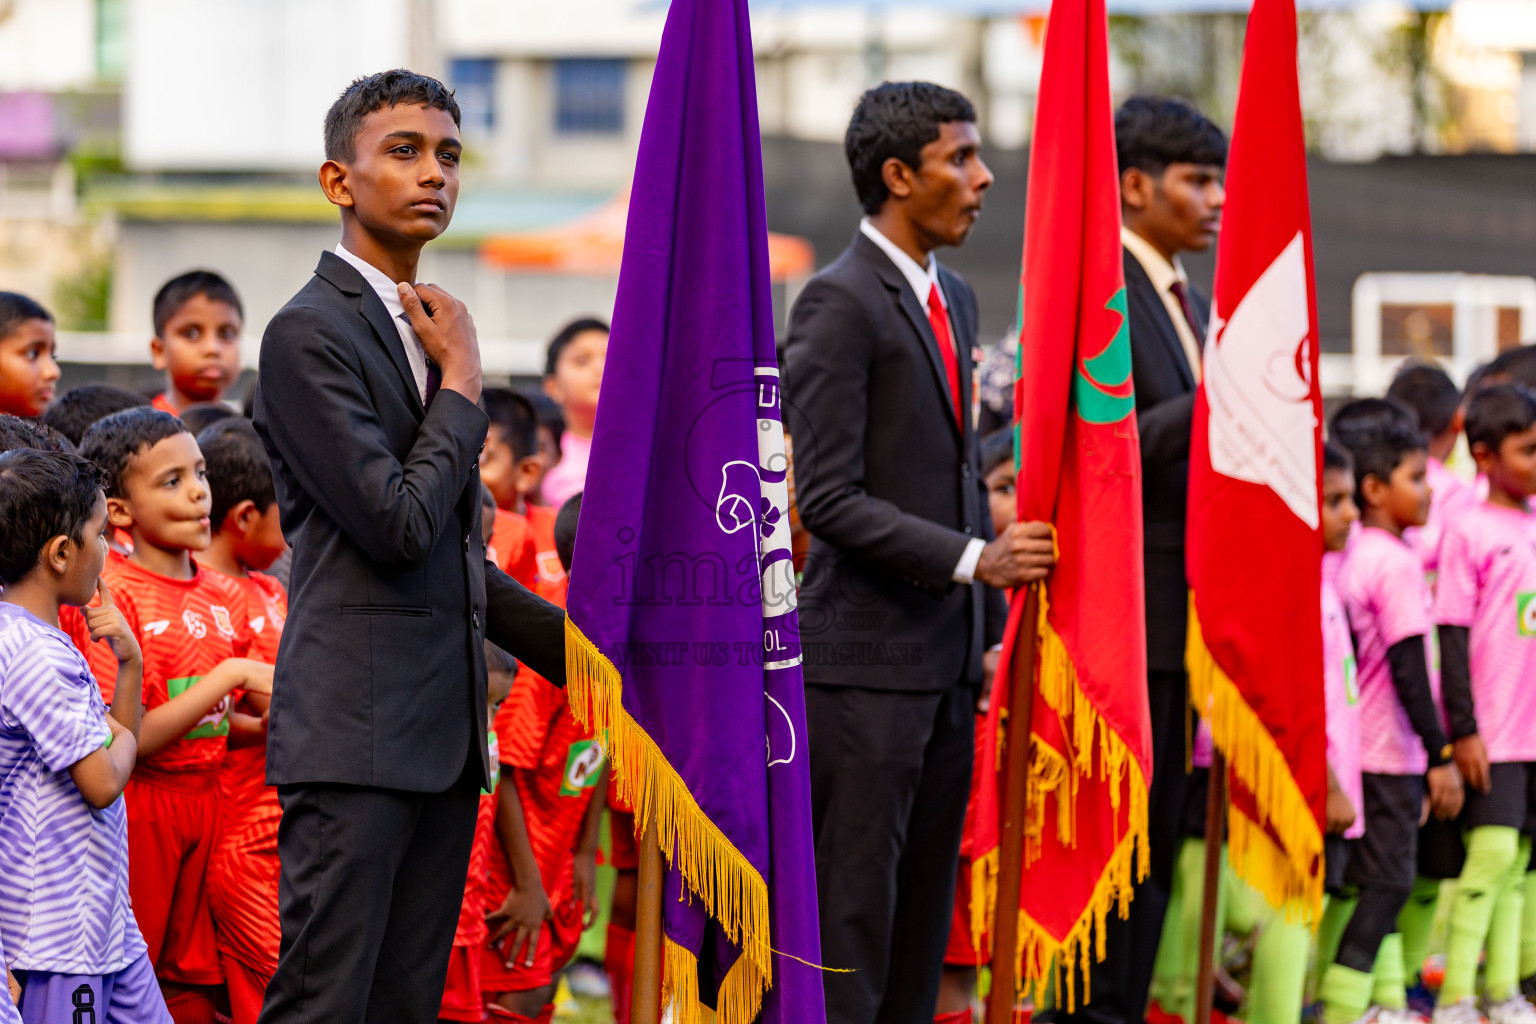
(63, 864)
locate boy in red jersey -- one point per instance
(242, 875)
(510, 468)
(195, 632)
(541, 872)
(463, 999)
(198, 319)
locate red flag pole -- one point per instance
(1215, 818)
(645, 998)
(1010, 867)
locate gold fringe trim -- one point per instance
(713, 870)
(1040, 954)
(1290, 879)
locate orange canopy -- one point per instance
(593, 244)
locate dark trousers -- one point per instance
(369, 896)
(1120, 982)
(890, 773)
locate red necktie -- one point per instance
(938, 319)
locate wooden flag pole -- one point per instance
(1015, 781)
(1215, 822)
(645, 998)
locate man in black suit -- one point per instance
(1172, 162)
(893, 604)
(367, 404)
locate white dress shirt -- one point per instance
(923, 281)
(389, 294)
(1163, 276)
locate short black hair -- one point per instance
(73, 412)
(1497, 411)
(238, 467)
(202, 415)
(996, 449)
(1379, 448)
(182, 288)
(1475, 379)
(1152, 132)
(498, 660)
(567, 334)
(1336, 456)
(16, 432)
(42, 495)
(548, 411)
(1363, 416)
(565, 530)
(114, 442)
(375, 92)
(16, 309)
(1430, 393)
(515, 417)
(1517, 364)
(897, 119)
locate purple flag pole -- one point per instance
(683, 649)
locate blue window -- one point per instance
(474, 86)
(589, 97)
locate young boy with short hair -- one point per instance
(65, 922)
(1382, 585)
(198, 319)
(510, 468)
(194, 628)
(242, 873)
(78, 409)
(28, 371)
(1485, 607)
(573, 376)
(16, 432)
(1437, 402)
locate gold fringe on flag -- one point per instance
(713, 870)
(1290, 879)
(1050, 772)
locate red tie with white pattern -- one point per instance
(938, 319)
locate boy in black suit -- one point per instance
(367, 404)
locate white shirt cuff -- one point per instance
(965, 569)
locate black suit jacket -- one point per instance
(1165, 405)
(381, 674)
(886, 482)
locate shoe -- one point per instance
(1463, 1011)
(1421, 1000)
(1514, 1010)
(1528, 988)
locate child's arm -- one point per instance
(10, 983)
(101, 775)
(1456, 692)
(176, 717)
(1340, 812)
(1410, 677)
(523, 913)
(584, 884)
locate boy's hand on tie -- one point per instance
(522, 915)
(584, 887)
(1340, 812)
(447, 335)
(1472, 762)
(1024, 554)
(1445, 792)
(107, 623)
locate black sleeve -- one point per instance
(1410, 676)
(1164, 429)
(1456, 680)
(524, 625)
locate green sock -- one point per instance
(1279, 970)
(1388, 990)
(1185, 961)
(1336, 914)
(1491, 852)
(1415, 922)
(1501, 973)
(1346, 993)
(1528, 932)
(1168, 967)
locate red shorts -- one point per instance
(247, 988)
(557, 944)
(622, 854)
(173, 820)
(461, 995)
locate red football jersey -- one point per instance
(512, 547)
(186, 628)
(163, 404)
(552, 582)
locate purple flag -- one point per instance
(683, 646)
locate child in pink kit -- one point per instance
(1485, 606)
(1381, 582)
(1433, 397)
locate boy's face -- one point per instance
(403, 182)
(166, 499)
(1339, 510)
(1178, 210)
(84, 561)
(942, 197)
(549, 449)
(508, 477)
(27, 370)
(1511, 469)
(261, 535)
(578, 372)
(498, 687)
(1000, 496)
(199, 349)
(1404, 497)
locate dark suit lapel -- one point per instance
(346, 278)
(1155, 316)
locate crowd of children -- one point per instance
(138, 630)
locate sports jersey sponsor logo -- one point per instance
(157, 627)
(194, 623)
(1525, 608)
(583, 767)
(221, 619)
(212, 725)
(1351, 680)
(550, 569)
(495, 748)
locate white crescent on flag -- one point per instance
(1262, 426)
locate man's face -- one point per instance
(403, 179)
(1178, 210)
(945, 191)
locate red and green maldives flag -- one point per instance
(1079, 467)
(1255, 647)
